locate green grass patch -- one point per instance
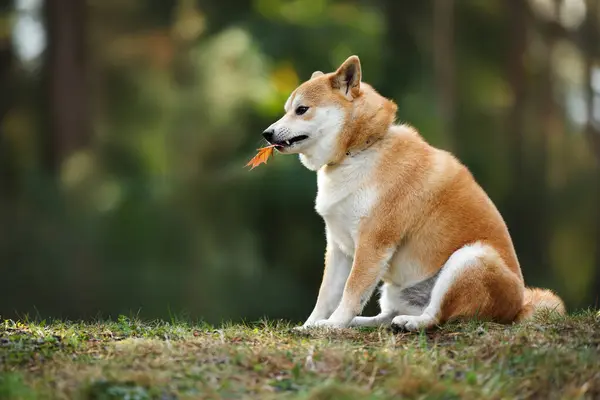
(551, 357)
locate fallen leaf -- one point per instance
(261, 157)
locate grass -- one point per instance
(551, 357)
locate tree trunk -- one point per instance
(399, 40)
(548, 120)
(65, 73)
(517, 216)
(590, 40)
(444, 64)
(67, 116)
(7, 173)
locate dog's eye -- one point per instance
(301, 110)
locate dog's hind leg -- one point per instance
(474, 282)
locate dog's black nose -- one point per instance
(268, 134)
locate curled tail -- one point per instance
(537, 299)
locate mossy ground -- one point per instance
(551, 357)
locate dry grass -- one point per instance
(550, 358)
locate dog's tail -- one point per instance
(539, 299)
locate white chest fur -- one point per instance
(345, 196)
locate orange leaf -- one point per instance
(261, 157)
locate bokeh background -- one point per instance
(125, 126)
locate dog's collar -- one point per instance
(351, 153)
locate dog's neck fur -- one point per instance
(370, 120)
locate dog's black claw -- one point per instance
(396, 329)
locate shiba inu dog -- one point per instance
(398, 210)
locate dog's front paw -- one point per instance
(412, 323)
(302, 328)
(299, 330)
(329, 323)
(306, 326)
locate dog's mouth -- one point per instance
(280, 145)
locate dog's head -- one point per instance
(329, 115)
(316, 113)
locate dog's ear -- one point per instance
(347, 78)
(316, 74)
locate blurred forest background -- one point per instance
(125, 126)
